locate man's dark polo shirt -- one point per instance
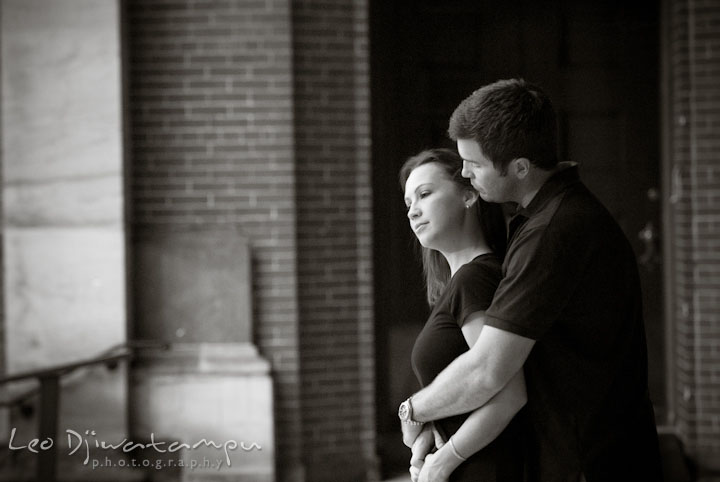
(571, 283)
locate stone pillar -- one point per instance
(192, 290)
(63, 202)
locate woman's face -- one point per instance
(436, 206)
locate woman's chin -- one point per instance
(425, 242)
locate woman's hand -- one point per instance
(433, 470)
(438, 466)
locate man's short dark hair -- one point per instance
(509, 119)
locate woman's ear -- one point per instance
(470, 196)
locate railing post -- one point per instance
(49, 408)
(49, 379)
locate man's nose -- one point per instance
(465, 172)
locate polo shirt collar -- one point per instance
(566, 175)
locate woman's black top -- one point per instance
(470, 290)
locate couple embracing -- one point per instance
(533, 361)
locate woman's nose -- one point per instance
(413, 212)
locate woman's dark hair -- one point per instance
(490, 215)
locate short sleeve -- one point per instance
(473, 288)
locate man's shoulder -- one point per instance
(574, 217)
(577, 210)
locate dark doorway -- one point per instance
(599, 62)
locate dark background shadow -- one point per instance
(599, 62)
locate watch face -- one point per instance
(403, 411)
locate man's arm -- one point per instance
(480, 428)
(474, 377)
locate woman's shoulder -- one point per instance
(474, 285)
(486, 267)
(481, 264)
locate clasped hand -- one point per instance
(424, 465)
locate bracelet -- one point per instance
(412, 422)
(454, 450)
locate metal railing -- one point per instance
(49, 396)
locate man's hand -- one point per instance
(410, 432)
(414, 474)
(421, 447)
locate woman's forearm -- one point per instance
(479, 429)
(487, 422)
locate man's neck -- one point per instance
(536, 180)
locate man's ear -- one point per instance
(521, 167)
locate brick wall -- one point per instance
(211, 143)
(694, 76)
(334, 239)
(254, 114)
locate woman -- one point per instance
(463, 239)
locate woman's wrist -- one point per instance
(447, 461)
(454, 450)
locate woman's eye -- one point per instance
(424, 194)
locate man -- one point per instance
(568, 308)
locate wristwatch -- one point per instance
(405, 413)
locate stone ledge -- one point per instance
(207, 358)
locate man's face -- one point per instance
(487, 181)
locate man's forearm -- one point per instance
(487, 422)
(461, 387)
(474, 377)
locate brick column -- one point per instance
(332, 128)
(694, 179)
(210, 91)
(254, 116)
